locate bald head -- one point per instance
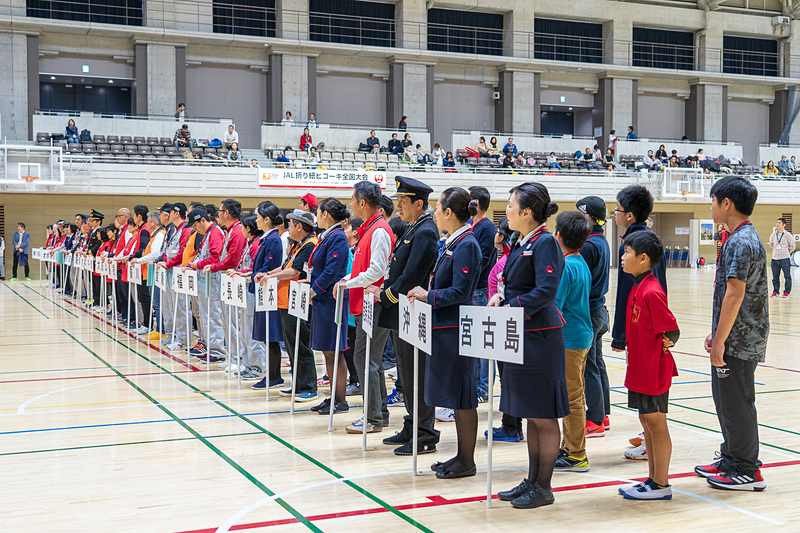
(122, 217)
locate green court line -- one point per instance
(709, 396)
(715, 414)
(275, 437)
(294, 512)
(49, 300)
(126, 444)
(25, 300)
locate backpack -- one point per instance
(214, 143)
(86, 136)
(364, 147)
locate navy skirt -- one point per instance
(538, 387)
(323, 327)
(275, 327)
(449, 377)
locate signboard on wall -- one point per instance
(316, 178)
(682, 230)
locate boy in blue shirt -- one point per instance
(572, 299)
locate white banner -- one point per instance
(68, 260)
(492, 333)
(134, 273)
(161, 278)
(98, 265)
(369, 313)
(267, 296)
(415, 323)
(88, 263)
(320, 179)
(226, 289)
(299, 296)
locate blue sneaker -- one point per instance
(305, 396)
(505, 434)
(395, 398)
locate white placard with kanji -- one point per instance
(226, 289)
(191, 282)
(134, 273)
(68, 259)
(105, 267)
(267, 295)
(492, 333)
(98, 265)
(415, 323)
(299, 296)
(239, 298)
(112, 270)
(160, 278)
(368, 315)
(179, 280)
(88, 263)
(36, 253)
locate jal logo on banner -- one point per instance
(299, 296)
(415, 323)
(267, 295)
(492, 333)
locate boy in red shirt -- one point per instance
(651, 330)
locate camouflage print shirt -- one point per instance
(743, 257)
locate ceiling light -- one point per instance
(110, 81)
(52, 77)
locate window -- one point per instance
(245, 17)
(788, 218)
(566, 40)
(467, 32)
(352, 22)
(663, 49)
(127, 12)
(747, 55)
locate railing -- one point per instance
(573, 48)
(502, 136)
(66, 113)
(242, 19)
(465, 39)
(301, 123)
(99, 11)
(661, 55)
(750, 63)
(348, 29)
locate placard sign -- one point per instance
(98, 266)
(68, 260)
(299, 296)
(112, 269)
(492, 333)
(267, 295)
(134, 273)
(184, 282)
(59, 258)
(226, 289)
(367, 317)
(36, 253)
(238, 295)
(415, 323)
(160, 275)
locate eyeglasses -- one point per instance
(118, 216)
(618, 210)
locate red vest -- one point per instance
(362, 258)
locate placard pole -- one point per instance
(294, 368)
(128, 309)
(266, 347)
(489, 437)
(174, 311)
(228, 358)
(365, 394)
(338, 312)
(415, 414)
(208, 328)
(152, 303)
(188, 308)
(238, 345)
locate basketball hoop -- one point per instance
(29, 179)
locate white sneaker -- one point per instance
(392, 373)
(644, 492)
(443, 414)
(223, 365)
(142, 330)
(639, 453)
(175, 346)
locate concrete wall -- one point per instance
(353, 99)
(130, 127)
(749, 122)
(661, 117)
(464, 105)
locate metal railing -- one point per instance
(520, 135)
(99, 11)
(171, 118)
(349, 29)
(572, 48)
(242, 19)
(465, 39)
(750, 63)
(661, 55)
(301, 123)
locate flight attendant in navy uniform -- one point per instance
(268, 258)
(449, 377)
(537, 388)
(328, 264)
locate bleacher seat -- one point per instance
(43, 143)
(222, 152)
(89, 149)
(359, 156)
(42, 136)
(99, 139)
(73, 148)
(348, 156)
(171, 150)
(152, 141)
(117, 149)
(126, 140)
(139, 140)
(112, 139)
(103, 149)
(136, 158)
(131, 149)
(210, 151)
(163, 160)
(144, 149)
(337, 156)
(121, 158)
(157, 150)
(165, 141)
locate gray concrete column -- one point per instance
(161, 80)
(790, 54)
(139, 93)
(616, 106)
(291, 86)
(777, 117)
(710, 43)
(518, 30)
(407, 93)
(411, 29)
(519, 108)
(187, 15)
(292, 19)
(14, 85)
(13, 8)
(707, 112)
(33, 80)
(617, 41)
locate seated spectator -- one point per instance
(650, 163)
(180, 114)
(508, 160)
(598, 155)
(552, 162)
(373, 142)
(520, 162)
(661, 154)
(406, 142)
(674, 162)
(482, 148)
(183, 139)
(403, 126)
(449, 162)
(235, 155)
(494, 150)
(631, 136)
(254, 163)
(792, 166)
(588, 162)
(608, 160)
(288, 120)
(700, 155)
(394, 145)
(282, 161)
(305, 140)
(231, 137)
(421, 157)
(438, 154)
(510, 146)
(312, 121)
(313, 160)
(685, 140)
(72, 133)
(770, 170)
(783, 166)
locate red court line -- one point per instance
(762, 365)
(159, 350)
(438, 501)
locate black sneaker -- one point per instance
(322, 405)
(516, 492)
(198, 350)
(536, 497)
(718, 467)
(408, 449)
(735, 479)
(398, 439)
(261, 385)
(337, 408)
(570, 463)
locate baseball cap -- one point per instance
(310, 199)
(593, 206)
(196, 216)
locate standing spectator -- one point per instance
(510, 146)
(782, 243)
(183, 139)
(631, 136)
(235, 155)
(22, 242)
(72, 133)
(305, 140)
(438, 154)
(180, 114)
(373, 142)
(231, 137)
(720, 237)
(312, 121)
(2, 259)
(403, 126)
(288, 120)
(394, 145)
(552, 161)
(612, 141)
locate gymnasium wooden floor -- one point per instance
(101, 433)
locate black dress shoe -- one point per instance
(325, 403)
(337, 408)
(398, 439)
(408, 449)
(536, 497)
(516, 492)
(446, 473)
(438, 466)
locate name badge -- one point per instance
(308, 269)
(527, 253)
(448, 252)
(501, 289)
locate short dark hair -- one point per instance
(249, 222)
(368, 192)
(211, 209)
(184, 126)
(83, 217)
(356, 223)
(646, 242)
(738, 190)
(181, 105)
(782, 220)
(481, 194)
(233, 207)
(73, 228)
(573, 228)
(283, 214)
(637, 200)
(23, 224)
(141, 210)
(398, 227)
(197, 205)
(387, 204)
(504, 230)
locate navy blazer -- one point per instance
(329, 262)
(454, 279)
(23, 241)
(531, 275)
(268, 257)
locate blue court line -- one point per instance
(680, 369)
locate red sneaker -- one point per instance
(716, 468)
(606, 424)
(594, 430)
(736, 480)
(775, 294)
(785, 294)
